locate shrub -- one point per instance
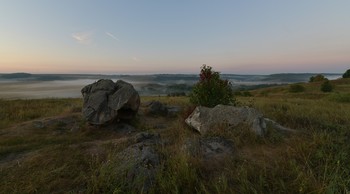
(211, 90)
(326, 86)
(295, 88)
(347, 74)
(317, 78)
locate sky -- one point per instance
(174, 36)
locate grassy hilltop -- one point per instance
(67, 155)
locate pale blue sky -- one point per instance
(154, 36)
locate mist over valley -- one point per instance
(33, 86)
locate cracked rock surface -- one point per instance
(105, 101)
(204, 119)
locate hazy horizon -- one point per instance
(25, 86)
(196, 73)
(152, 37)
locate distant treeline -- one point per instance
(36, 77)
(170, 78)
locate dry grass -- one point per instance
(16, 111)
(55, 159)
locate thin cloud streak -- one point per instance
(82, 37)
(112, 36)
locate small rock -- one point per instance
(124, 128)
(157, 108)
(216, 147)
(140, 137)
(38, 124)
(207, 149)
(173, 111)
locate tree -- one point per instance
(347, 74)
(317, 78)
(326, 86)
(211, 90)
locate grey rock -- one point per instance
(157, 108)
(209, 149)
(173, 111)
(191, 146)
(141, 137)
(124, 128)
(140, 161)
(38, 124)
(204, 119)
(105, 101)
(216, 147)
(280, 128)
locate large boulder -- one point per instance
(105, 101)
(204, 119)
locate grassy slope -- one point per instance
(315, 160)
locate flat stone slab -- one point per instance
(204, 119)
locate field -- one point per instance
(46, 147)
